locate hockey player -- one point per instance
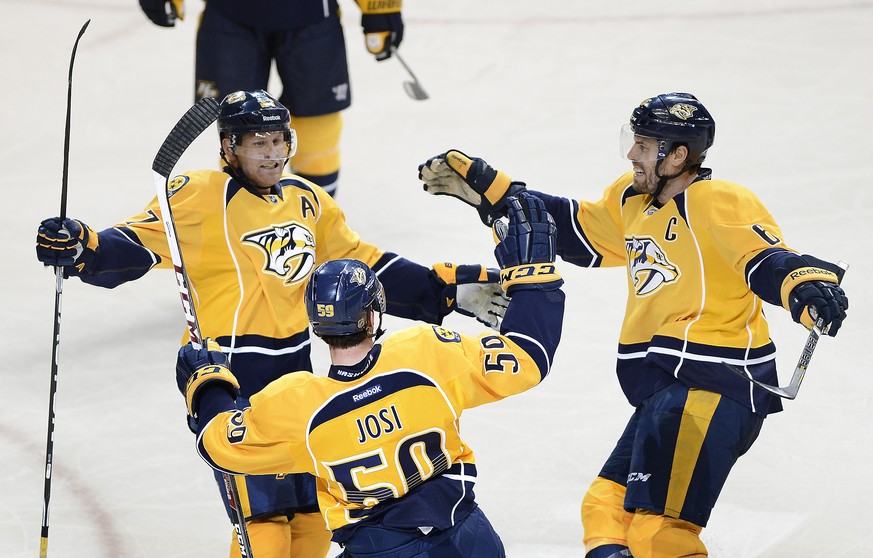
(250, 237)
(381, 431)
(702, 255)
(238, 43)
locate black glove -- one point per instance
(162, 12)
(382, 33)
(71, 243)
(471, 180)
(197, 368)
(811, 300)
(527, 246)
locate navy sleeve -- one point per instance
(572, 243)
(766, 272)
(412, 290)
(120, 258)
(213, 400)
(534, 320)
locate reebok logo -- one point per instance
(269, 118)
(367, 393)
(812, 271)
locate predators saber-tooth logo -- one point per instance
(648, 266)
(289, 250)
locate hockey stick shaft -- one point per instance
(818, 329)
(192, 124)
(56, 329)
(413, 88)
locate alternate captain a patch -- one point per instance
(648, 265)
(289, 250)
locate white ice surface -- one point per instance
(540, 90)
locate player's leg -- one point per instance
(318, 150)
(604, 519)
(270, 538)
(228, 57)
(686, 443)
(267, 502)
(653, 535)
(312, 65)
(309, 535)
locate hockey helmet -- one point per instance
(243, 112)
(340, 295)
(673, 119)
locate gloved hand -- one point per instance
(383, 31)
(163, 12)
(473, 290)
(71, 243)
(471, 180)
(527, 246)
(197, 368)
(813, 299)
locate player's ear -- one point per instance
(679, 155)
(229, 157)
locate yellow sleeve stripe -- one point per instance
(528, 274)
(207, 374)
(446, 272)
(803, 275)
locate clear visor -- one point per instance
(268, 146)
(640, 149)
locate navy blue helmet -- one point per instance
(340, 295)
(675, 118)
(243, 112)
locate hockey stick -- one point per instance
(413, 88)
(192, 124)
(790, 391)
(56, 333)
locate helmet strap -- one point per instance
(379, 331)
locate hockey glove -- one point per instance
(197, 369)
(527, 246)
(71, 243)
(813, 299)
(163, 12)
(383, 26)
(811, 290)
(473, 290)
(471, 180)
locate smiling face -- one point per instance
(260, 157)
(644, 153)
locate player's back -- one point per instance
(383, 435)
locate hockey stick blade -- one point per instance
(195, 120)
(413, 88)
(790, 391)
(192, 124)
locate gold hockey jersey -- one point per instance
(248, 257)
(698, 271)
(383, 437)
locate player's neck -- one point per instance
(351, 355)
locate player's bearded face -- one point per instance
(262, 156)
(642, 151)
